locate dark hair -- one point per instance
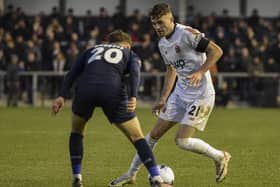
(159, 10)
(119, 36)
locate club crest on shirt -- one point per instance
(177, 49)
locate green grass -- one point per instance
(34, 149)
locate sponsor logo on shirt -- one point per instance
(181, 63)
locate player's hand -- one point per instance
(131, 104)
(195, 78)
(158, 107)
(57, 105)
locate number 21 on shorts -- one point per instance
(199, 111)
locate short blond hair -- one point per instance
(118, 36)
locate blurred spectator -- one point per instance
(245, 60)
(229, 62)
(271, 65)
(20, 46)
(190, 14)
(134, 32)
(31, 47)
(72, 55)
(70, 27)
(255, 68)
(47, 51)
(55, 13)
(37, 27)
(103, 22)
(56, 28)
(59, 63)
(119, 19)
(255, 82)
(13, 81)
(31, 65)
(223, 95)
(254, 19)
(93, 37)
(22, 29)
(3, 62)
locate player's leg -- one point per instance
(196, 118)
(160, 128)
(166, 120)
(185, 141)
(82, 109)
(134, 133)
(76, 148)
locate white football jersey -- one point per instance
(180, 52)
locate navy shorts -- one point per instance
(114, 105)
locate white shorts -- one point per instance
(194, 112)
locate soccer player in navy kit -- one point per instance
(100, 73)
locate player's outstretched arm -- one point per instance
(58, 104)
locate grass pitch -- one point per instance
(34, 149)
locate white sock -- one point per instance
(199, 146)
(136, 162)
(77, 176)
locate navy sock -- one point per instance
(76, 152)
(146, 155)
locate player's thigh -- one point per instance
(78, 124)
(160, 128)
(198, 112)
(115, 109)
(82, 109)
(131, 129)
(84, 104)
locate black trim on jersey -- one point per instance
(169, 36)
(202, 45)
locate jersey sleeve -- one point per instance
(73, 74)
(195, 39)
(134, 65)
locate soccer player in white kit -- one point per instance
(188, 54)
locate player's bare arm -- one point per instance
(213, 52)
(169, 81)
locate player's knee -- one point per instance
(150, 140)
(183, 143)
(155, 135)
(135, 137)
(77, 129)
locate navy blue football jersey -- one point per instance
(104, 64)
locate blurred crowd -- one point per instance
(53, 42)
